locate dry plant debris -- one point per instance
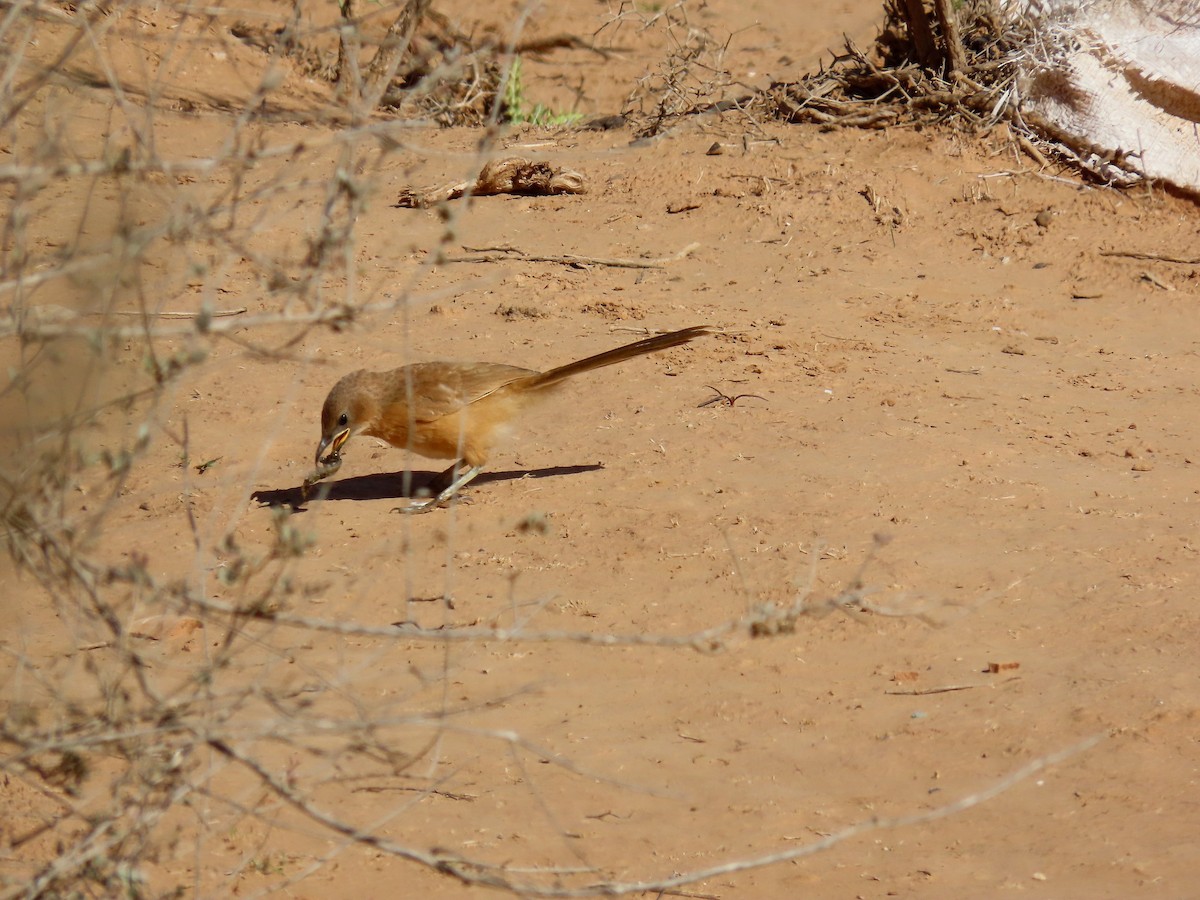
(723, 399)
(961, 66)
(513, 175)
(911, 78)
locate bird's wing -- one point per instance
(442, 388)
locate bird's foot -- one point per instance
(431, 503)
(447, 494)
(419, 507)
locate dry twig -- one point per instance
(1155, 257)
(497, 254)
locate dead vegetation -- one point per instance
(957, 65)
(917, 74)
(511, 175)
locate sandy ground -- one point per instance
(982, 416)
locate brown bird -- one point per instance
(447, 410)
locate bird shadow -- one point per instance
(390, 486)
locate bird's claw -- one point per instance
(431, 503)
(423, 506)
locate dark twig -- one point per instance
(727, 399)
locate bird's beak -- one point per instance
(334, 444)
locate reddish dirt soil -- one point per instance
(983, 419)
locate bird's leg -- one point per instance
(464, 478)
(447, 478)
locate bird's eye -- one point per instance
(342, 420)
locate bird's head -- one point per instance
(349, 410)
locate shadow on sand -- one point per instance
(390, 486)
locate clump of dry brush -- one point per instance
(924, 69)
(967, 65)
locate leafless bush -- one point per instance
(119, 246)
(691, 76)
(918, 73)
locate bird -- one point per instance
(448, 410)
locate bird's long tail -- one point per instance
(610, 357)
